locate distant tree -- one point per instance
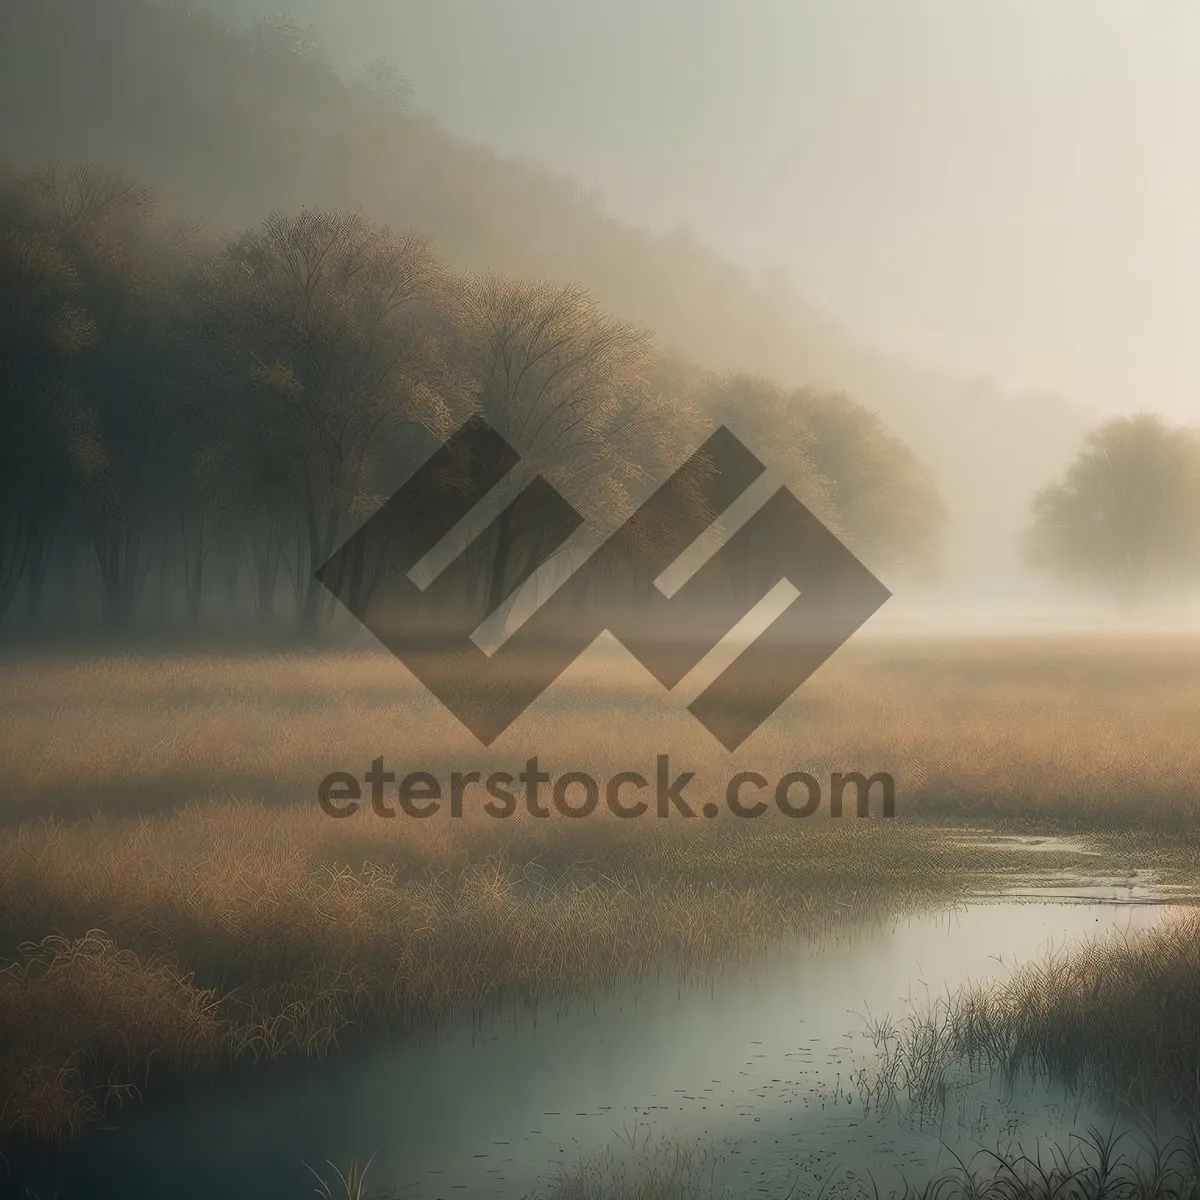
(761, 413)
(113, 426)
(889, 507)
(384, 81)
(325, 318)
(280, 33)
(1126, 518)
(837, 457)
(43, 326)
(566, 384)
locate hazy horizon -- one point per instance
(999, 190)
(961, 248)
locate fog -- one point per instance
(976, 220)
(1007, 190)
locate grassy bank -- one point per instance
(212, 914)
(1118, 1016)
(233, 932)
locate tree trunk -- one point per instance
(231, 581)
(121, 574)
(38, 563)
(320, 547)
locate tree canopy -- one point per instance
(1126, 517)
(194, 422)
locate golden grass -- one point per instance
(231, 931)
(1119, 1015)
(214, 914)
(1047, 733)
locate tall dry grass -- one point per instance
(212, 914)
(231, 932)
(1051, 734)
(1118, 1015)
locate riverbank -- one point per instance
(213, 914)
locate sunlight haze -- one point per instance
(1007, 190)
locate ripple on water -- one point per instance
(757, 1068)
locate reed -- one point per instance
(212, 915)
(1116, 1016)
(1097, 1165)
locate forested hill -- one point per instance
(230, 127)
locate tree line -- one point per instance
(191, 422)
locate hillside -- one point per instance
(231, 129)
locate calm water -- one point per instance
(756, 1066)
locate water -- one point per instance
(757, 1066)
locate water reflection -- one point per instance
(757, 1066)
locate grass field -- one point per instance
(1042, 734)
(211, 913)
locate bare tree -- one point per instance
(42, 327)
(327, 313)
(567, 386)
(111, 423)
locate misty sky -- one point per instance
(1005, 187)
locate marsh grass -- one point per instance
(212, 915)
(1036, 734)
(350, 1184)
(1118, 1016)
(1097, 1164)
(230, 933)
